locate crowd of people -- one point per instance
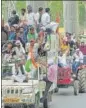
(18, 26)
(29, 28)
(70, 53)
(24, 39)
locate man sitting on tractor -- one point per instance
(78, 60)
(8, 52)
(62, 59)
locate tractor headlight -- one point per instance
(27, 90)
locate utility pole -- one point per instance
(7, 7)
(10, 7)
(70, 14)
(36, 4)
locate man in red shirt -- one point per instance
(83, 48)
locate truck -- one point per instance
(24, 94)
(27, 94)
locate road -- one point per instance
(66, 99)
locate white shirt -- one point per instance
(31, 18)
(72, 39)
(62, 59)
(79, 58)
(52, 25)
(37, 17)
(19, 51)
(45, 19)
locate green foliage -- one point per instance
(4, 11)
(56, 7)
(20, 5)
(82, 16)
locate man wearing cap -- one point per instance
(78, 59)
(20, 55)
(20, 52)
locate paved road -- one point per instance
(66, 99)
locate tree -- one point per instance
(82, 16)
(56, 7)
(20, 5)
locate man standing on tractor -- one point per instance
(14, 19)
(31, 21)
(45, 19)
(77, 60)
(39, 17)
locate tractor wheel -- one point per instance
(76, 87)
(82, 80)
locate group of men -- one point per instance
(25, 27)
(70, 54)
(41, 18)
(35, 21)
(22, 30)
